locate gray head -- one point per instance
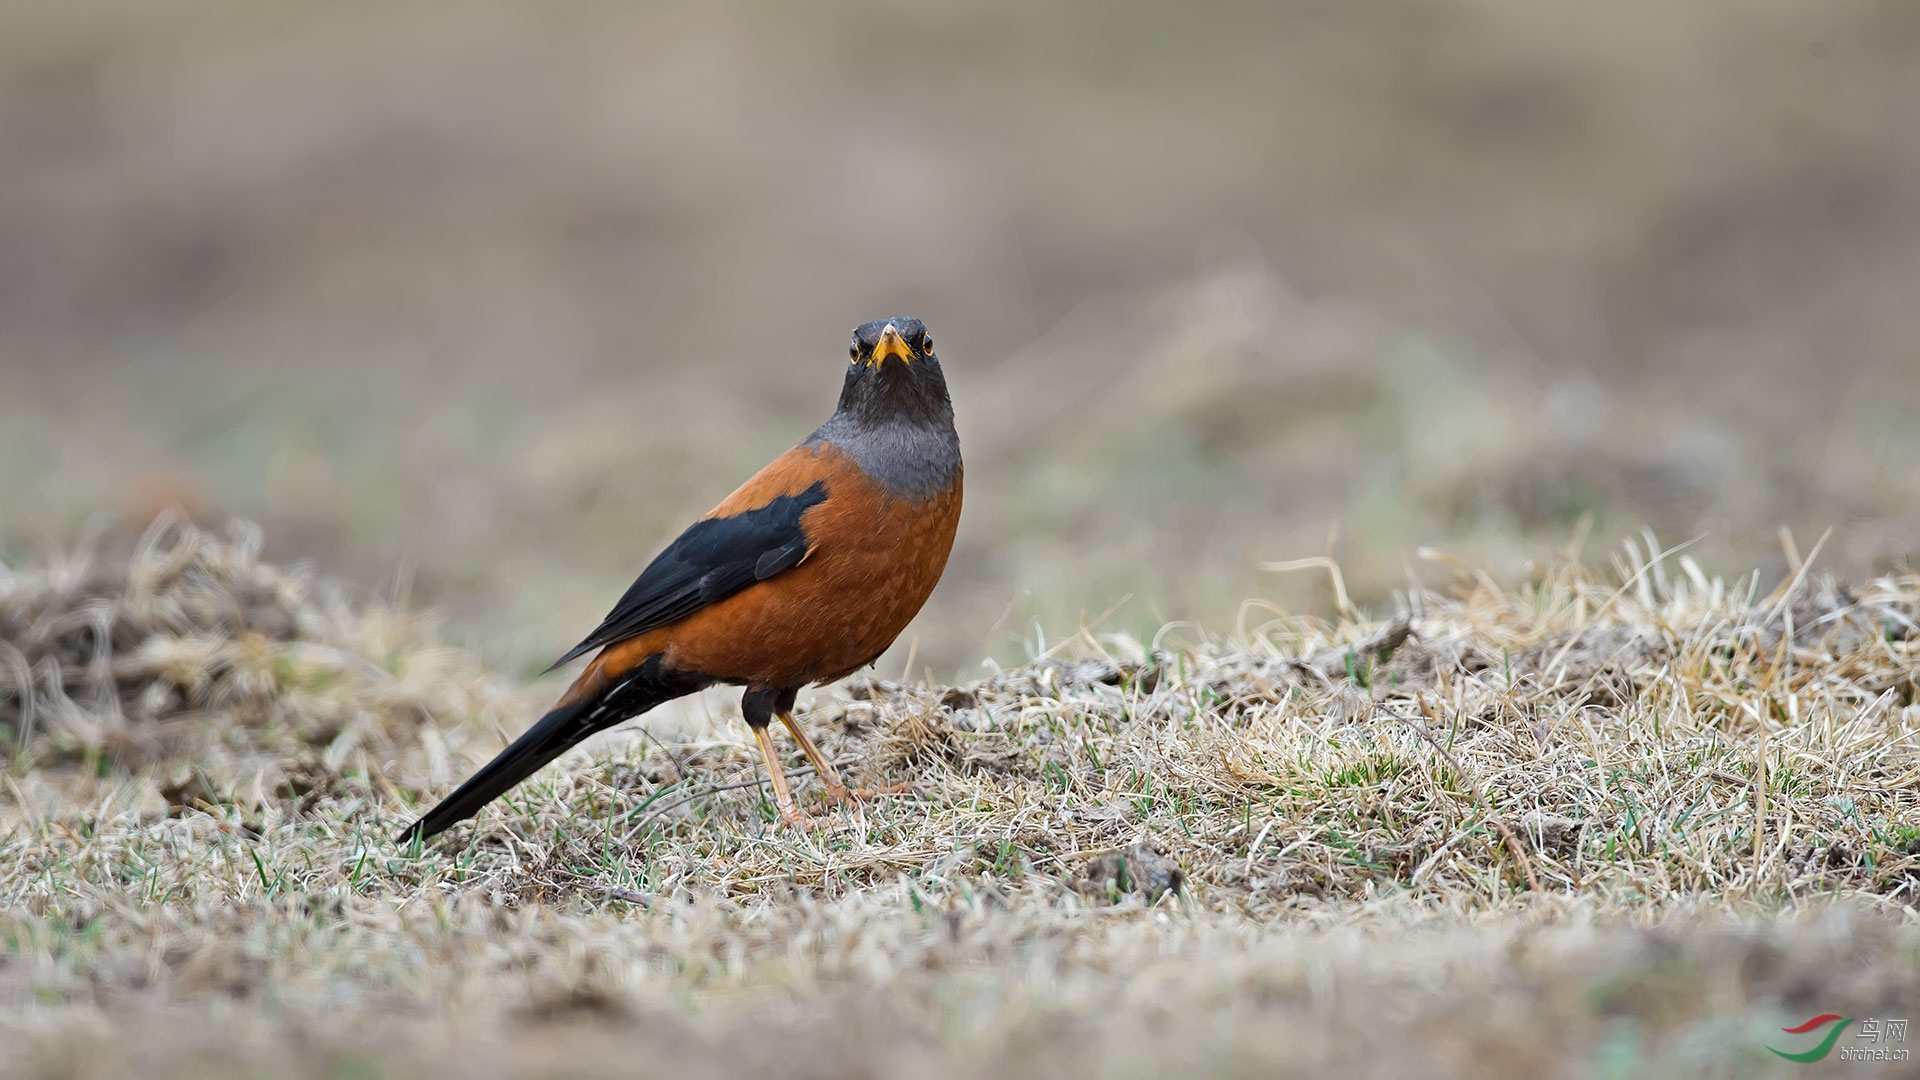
(895, 418)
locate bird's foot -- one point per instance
(841, 794)
(799, 822)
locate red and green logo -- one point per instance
(1826, 1044)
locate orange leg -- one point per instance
(782, 795)
(837, 790)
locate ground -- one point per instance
(1596, 825)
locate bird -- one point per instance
(804, 575)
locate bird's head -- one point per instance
(894, 376)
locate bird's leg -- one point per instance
(758, 706)
(829, 776)
(837, 790)
(782, 795)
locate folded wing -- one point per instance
(711, 561)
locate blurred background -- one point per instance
(484, 301)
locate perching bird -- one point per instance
(803, 575)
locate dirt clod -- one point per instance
(1137, 870)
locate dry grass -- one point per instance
(1594, 825)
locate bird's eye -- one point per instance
(926, 344)
(853, 348)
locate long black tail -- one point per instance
(552, 736)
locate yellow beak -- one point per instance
(891, 344)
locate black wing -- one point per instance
(711, 561)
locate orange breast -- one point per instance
(875, 559)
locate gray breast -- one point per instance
(914, 461)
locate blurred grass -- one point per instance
(491, 299)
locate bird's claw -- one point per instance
(800, 822)
(836, 795)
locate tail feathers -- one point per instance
(578, 716)
(552, 736)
